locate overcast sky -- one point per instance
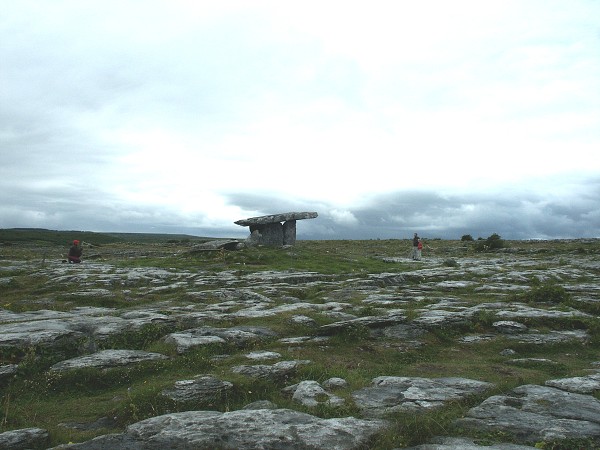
(386, 117)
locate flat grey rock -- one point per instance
(240, 430)
(275, 371)
(60, 330)
(8, 371)
(202, 389)
(51, 333)
(460, 443)
(389, 395)
(225, 244)
(303, 320)
(435, 317)
(582, 385)
(533, 413)
(518, 311)
(263, 355)
(240, 336)
(24, 439)
(389, 319)
(261, 404)
(553, 337)
(187, 340)
(509, 327)
(107, 359)
(301, 340)
(531, 361)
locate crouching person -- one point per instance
(75, 252)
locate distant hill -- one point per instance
(155, 237)
(43, 236)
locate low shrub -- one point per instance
(483, 319)
(450, 262)
(138, 339)
(493, 242)
(549, 292)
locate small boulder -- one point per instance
(7, 372)
(204, 389)
(310, 393)
(25, 439)
(335, 383)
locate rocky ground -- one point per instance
(223, 355)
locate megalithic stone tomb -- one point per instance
(275, 229)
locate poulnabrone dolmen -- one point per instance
(276, 229)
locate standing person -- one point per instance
(419, 249)
(75, 252)
(414, 246)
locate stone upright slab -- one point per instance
(289, 232)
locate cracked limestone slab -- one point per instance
(278, 370)
(390, 394)
(107, 359)
(240, 430)
(463, 443)
(582, 385)
(533, 413)
(203, 389)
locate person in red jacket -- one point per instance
(419, 249)
(75, 252)
(415, 243)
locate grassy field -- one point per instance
(38, 398)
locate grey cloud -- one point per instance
(268, 202)
(522, 215)
(525, 215)
(75, 72)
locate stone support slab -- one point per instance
(289, 232)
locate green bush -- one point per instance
(467, 237)
(138, 339)
(450, 262)
(549, 292)
(493, 242)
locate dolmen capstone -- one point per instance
(275, 229)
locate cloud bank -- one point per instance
(387, 118)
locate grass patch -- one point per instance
(139, 339)
(312, 272)
(548, 292)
